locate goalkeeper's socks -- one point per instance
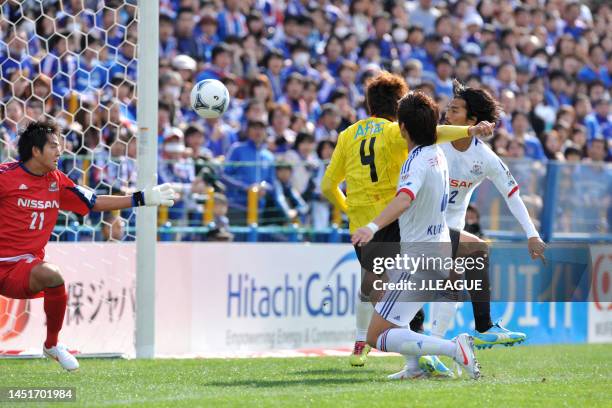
(407, 342)
(55, 308)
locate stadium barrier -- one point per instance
(240, 299)
(567, 202)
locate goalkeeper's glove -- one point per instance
(154, 196)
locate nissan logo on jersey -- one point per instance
(38, 204)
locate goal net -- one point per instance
(75, 62)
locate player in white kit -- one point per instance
(470, 161)
(420, 205)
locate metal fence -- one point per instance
(566, 201)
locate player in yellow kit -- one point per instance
(369, 155)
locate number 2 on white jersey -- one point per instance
(40, 217)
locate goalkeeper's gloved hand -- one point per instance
(155, 196)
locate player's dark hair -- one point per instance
(419, 115)
(479, 104)
(35, 135)
(383, 93)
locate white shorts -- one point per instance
(400, 306)
(399, 313)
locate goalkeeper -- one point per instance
(32, 192)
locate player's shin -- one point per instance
(481, 299)
(363, 314)
(442, 315)
(407, 342)
(55, 300)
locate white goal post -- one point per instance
(146, 218)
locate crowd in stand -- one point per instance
(296, 71)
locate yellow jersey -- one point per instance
(369, 156)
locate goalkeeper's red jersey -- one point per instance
(29, 206)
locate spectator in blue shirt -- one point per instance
(220, 136)
(522, 133)
(231, 21)
(442, 80)
(125, 61)
(14, 58)
(556, 92)
(207, 36)
(294, 87)
(347, 76)
(300, 62)
(333, 55)
(382, 35)
(59, 64)
(573, 24)
(433, 44)
(284, 204)
(370, 54)
(273, 65)
(248, 164)
(167, 41)
(595, 67)
(13, 116)
(583, 108)
(220, 65)
(186, 41)
(601, 121)
(287, 35)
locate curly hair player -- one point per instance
(470, 161)
(369, 156)
(420, 205)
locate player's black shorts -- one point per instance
(454, 237)
(389, 234)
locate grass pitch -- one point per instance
(534, 376)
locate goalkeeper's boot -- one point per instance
(61, 354)
(464, 355)
(407, 374)
(497, 335)
(435, 367)
(360, 353)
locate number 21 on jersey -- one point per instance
(40, 217)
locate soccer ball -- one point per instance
(209, 98)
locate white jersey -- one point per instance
(466, 171)
(424, 177)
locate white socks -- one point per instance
(412, 363)
(363, 315)
(442, 315)
(407, 342)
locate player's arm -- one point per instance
(149, 197)
(444, 133)
(334, 175)
(505, 183)
(448, 133)
(392, 211)
(411, 179)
